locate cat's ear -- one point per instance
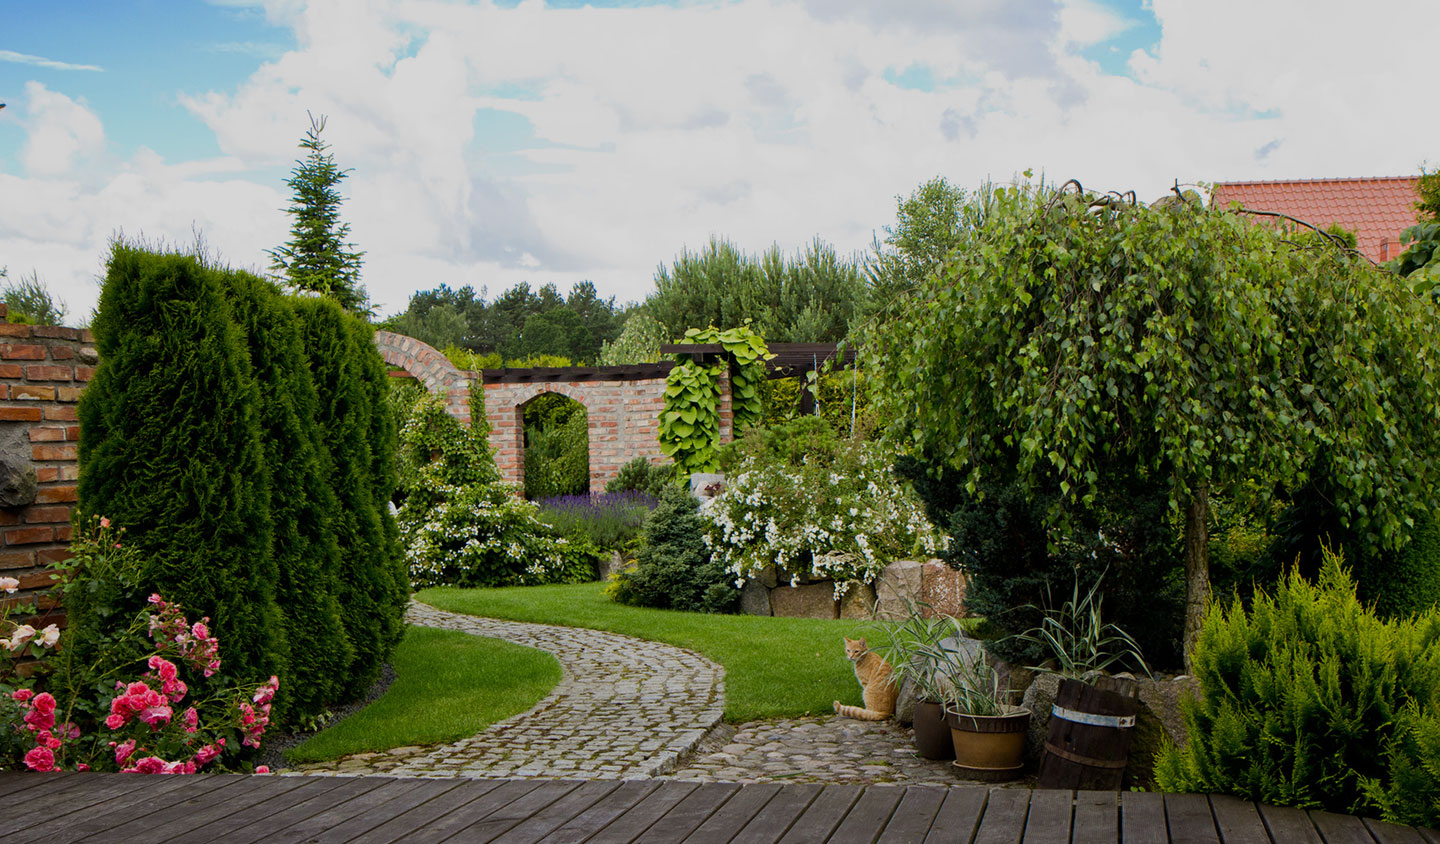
(861, 642)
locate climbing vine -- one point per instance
(690, 422)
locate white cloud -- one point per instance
(40, 61)
(758, 120)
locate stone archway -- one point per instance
(431, 368)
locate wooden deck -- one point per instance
(234, 809)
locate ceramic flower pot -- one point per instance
(932, 732)
(989, 747)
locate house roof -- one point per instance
(1376, 209)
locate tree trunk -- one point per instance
(1197, 565)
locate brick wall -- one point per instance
(42, 372)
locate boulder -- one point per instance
(942, 589)
(812, 600)
(970, 649)
(18, 481)
(1039, 698)
(754, 598)
(1159, 718)
(609, 566)
(768, 577)
(897, 588)
(858, 601)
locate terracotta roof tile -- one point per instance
(1376, 209)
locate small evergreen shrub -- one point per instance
(1309, 699)
(1405, 582)
(641, 475)
(674, 569)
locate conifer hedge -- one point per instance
(242, 439)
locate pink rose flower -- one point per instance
(155, 716)
(9, 584)
(262, 769)
(45, 738)
(104, 522)
(124, 751)
(209, 752)
(40, 759)
(21, 695)
(191, 719)
(148, 765)
(49, 636)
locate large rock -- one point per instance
(754, 598)
(18, 483)
(897, 589)
(942, 589)
(812, 600)
(612, 565)
(1039, 698)
(969, 650)
(858, 601)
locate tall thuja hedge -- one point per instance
(173, 452)
(371, 594)
(302, 503)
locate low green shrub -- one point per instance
(641, 475)
(1309, 699)
(1405, 582)
(674, 568)
(609, 521)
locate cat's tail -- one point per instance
(859, 713)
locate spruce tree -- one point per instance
(173, 453)
(347, 407)
(317, 259)
(302, 504)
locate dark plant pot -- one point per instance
(932, 733)
(990, 748)
(1088, 745)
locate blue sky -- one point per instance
(494, 142)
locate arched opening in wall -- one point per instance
(557, 446)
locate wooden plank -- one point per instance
(1289, 826)
(870, 814)
(1004, 818)
(176, 820)
(469, 803)
(77, 793)
(1051, 811)
(822, 815)
(915, 815)
(380, 807)
(612, 806)
(156, 794)
(1341, 829)
(729, 819)
(631, 824)
(1142, 818)
(1097, 816)
(1430, 835)
(259, 829)
(309, 788)
(779, 815)
(558, 813)
(1238, 820)
(14, 782)
(493, 817)
(1389, 833)
(1189, 818)
(959, 815)
(688, 814)
(321, 826)
(466, 792)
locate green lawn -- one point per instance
(774, 667)
(448, 685)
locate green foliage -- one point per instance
(639, 341)
(747, 354)
(841, 398)
(174, 450)
(673, 569)
(642, 475)
(1076, 641)
(928, 227)
(304, 547)
(690, 423)
(557, 447)
(358, 439)
(1420, 262)
(1308, 699)
(609, 521)
(441, 326)
(1405, 582)
(317, 259)
(810, 298)
(29, 302)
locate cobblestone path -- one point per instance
(625, 709)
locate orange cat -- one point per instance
(876, 685)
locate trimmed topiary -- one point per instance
(674, 568)
(173, 453)
(301, 502)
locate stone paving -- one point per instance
(625, 709)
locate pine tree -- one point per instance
(317, 259)
(305, 550)
(173, 453)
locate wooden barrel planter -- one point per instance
(990, 748)
(1090, 728)
(932, 732)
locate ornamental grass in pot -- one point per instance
(988, 732)
(916, 653)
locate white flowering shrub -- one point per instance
(841, 515)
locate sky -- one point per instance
(497, 141)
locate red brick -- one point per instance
(29, 535)
(47, 435)
(49, 372)
(56, 331)
(11, 351)
(62, 352)
(72, 432)
(68, 393)
(11, 370)
(37, 580)
(30, 392)
(84, 373)
(8, 330)
(69, 472)
(53, 452)
(45, 474)
(53, 555)
(61, 414)
(62, 534)
(86, 336)
(55, 495)
(17, 559)
(4, 391)
(19, 414)
(47, 515)
(9, 517)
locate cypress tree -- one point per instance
(345, 416)
(172, 452)
(301, 501)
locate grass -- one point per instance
(448, 685)
(774, 667)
